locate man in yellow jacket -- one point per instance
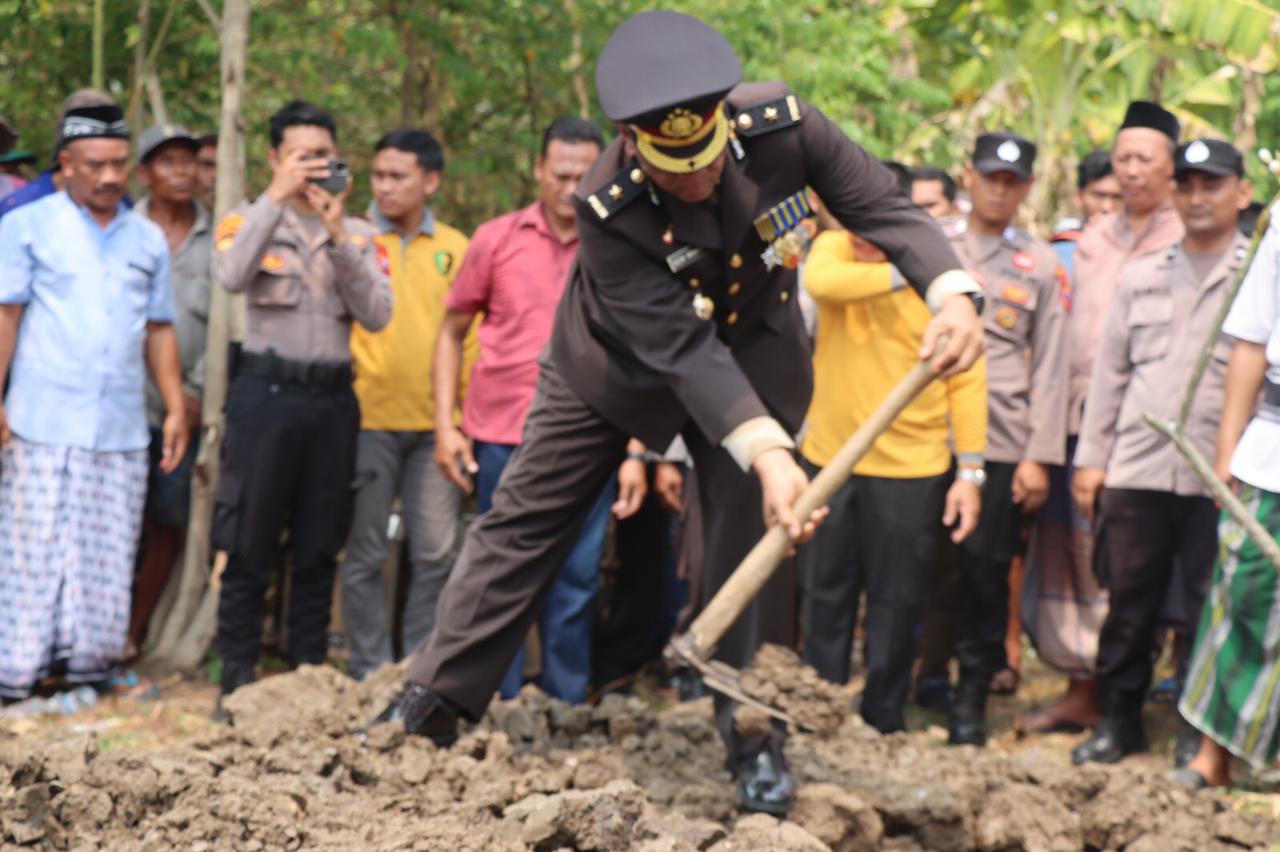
(395, 452)
(882, 533)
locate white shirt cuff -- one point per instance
(948, 284)
(750, 439)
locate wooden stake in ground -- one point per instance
(186, 629)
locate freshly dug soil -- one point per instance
(292, 771)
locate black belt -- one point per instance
(327, 374)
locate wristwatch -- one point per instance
(976, 475)
(979, 301)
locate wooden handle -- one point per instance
(755, 570)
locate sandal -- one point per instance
(127, 684)
(1188, 778)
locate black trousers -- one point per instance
(288, 460)
(512, 553)
(1142, 534)
(881, 537)
(984, 559)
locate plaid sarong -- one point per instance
(69, 525)
(1232, 692)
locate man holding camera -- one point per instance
(308, 270)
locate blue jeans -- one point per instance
(564, 625)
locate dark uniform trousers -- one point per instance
(984, 559)
(512, 553)
(1142, 535)
(881, 536)
(288, 458)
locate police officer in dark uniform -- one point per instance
(679, 317)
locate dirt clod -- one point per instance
(296, 769)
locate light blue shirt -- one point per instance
(79, 371)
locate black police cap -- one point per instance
(1153, 116)
(657, 61)
(1004, 152)
(1210, 156)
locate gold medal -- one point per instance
(703, 307)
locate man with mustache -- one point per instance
(1026, 391)
(85, 308)
(680, 318)
(1155, 510)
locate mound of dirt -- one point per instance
(293, 771)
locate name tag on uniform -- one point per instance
(683, 258)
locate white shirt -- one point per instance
(1255, 317)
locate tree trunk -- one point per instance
(1246, 129)
(189, 624)
(99, 36)
(139, 65)
(576, 61)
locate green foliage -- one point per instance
(913, 79)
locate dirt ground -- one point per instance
(292, 771)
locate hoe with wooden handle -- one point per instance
(695, 647)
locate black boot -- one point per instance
(969, 711)
(234, 676)
(425, 714)
(1120, 733)
(765, 784)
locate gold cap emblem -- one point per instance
(680, 123)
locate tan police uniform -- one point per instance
(1155, 510)
(292, 417)
(1025, 318)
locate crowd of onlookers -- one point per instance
(389, 362)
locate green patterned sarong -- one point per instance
(1232, 692)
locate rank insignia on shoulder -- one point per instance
(768, 116)
(623, 188)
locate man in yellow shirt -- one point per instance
(882, 533)
(395, 453)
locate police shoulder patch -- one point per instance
(617, 192)
(767, 116)
(224, 235)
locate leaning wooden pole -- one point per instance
(1175, 431)
(189, 624)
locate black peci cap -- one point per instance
(1004, 152)
(1210, 156)
(666, 75)
(1153, 116)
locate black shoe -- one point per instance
(234, 676)
(1111, 741)
(765, 784)
(935, 693)
(424, 713)
(969, 712)
(1120, 733)
(1186, 743)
